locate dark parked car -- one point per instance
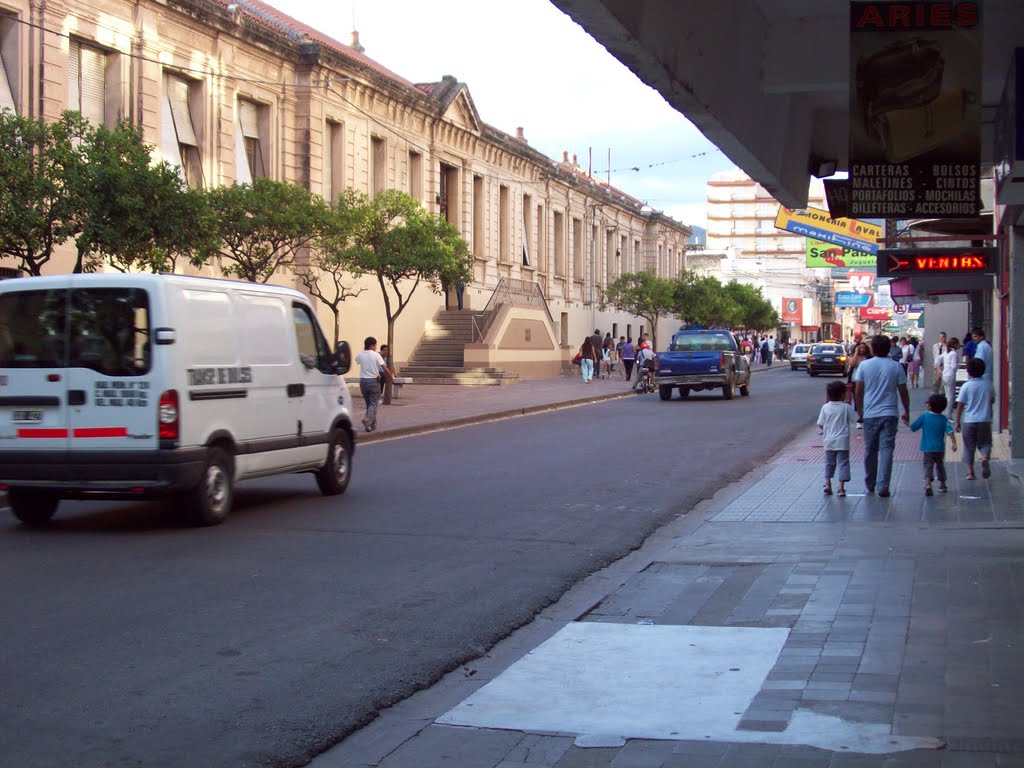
(827, 358)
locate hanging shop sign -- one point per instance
(915, 109)
(908, 262)
(818, 224)
(792, 310)
(821, 254)
(852, 299)
(871, 312)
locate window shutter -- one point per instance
(94, 76)
(177, 96)
(249, 118)
(242, 173)
(74, 76)
(6, 95)
(170, 150)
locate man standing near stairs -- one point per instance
(371, 368)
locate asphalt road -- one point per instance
(131, 641)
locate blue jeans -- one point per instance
(587, 368)
(370, 389)
(879, 447)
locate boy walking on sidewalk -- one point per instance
(934, 427)
(974, 417)
(835, 418)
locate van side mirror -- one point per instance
(343, 354)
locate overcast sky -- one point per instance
(528, 64)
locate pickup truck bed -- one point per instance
(703, 359)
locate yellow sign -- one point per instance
(816, 223)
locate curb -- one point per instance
(465, 421)
(483, 418)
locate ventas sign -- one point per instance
(906, 262)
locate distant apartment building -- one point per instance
(741, 224)
(232, 90)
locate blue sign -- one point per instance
(852, 299)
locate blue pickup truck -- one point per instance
(703, 359)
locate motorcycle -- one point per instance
(645, 382)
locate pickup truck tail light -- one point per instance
(721, 360)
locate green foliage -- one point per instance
(262, 226)
(136, 215)
(67, 180)
(643, 294)
(703, 301)
(42, 169)
(754, 312)
(403, 245)
(324, 274)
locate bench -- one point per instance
(397, 385)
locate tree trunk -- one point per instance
(391, 353)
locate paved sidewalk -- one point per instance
(770, 626)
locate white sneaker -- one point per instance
(860, 426)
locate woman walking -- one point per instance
(588, 360)
(913, 358)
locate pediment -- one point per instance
(461, 111)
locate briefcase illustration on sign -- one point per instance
(899, 93)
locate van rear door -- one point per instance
(111, 404)
(33, 384)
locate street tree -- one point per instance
(702, 300)
(42, 172)
(263, 226)
(326, 273)
(135, 214)
(753, 311)
(642, 294)
(403, 245)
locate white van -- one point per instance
(137, 386)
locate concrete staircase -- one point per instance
(438, 358)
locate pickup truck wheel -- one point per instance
(665, 391)
(210, 501)
(332, 477)
(684, 392)
(34, 508)
(729, 389)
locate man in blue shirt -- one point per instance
(983, 351)
(880, 385)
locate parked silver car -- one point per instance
(798, 356)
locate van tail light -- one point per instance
(167, 415)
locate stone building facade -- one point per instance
(229, 91)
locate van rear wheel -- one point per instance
(32, 507)
(210, 502)
(332, 477)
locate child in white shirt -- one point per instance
(835, 420)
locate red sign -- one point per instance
(861, 282)
(792, 311)
(937, 261)
(871, 312)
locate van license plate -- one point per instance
(29, 416)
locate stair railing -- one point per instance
(513, 292)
